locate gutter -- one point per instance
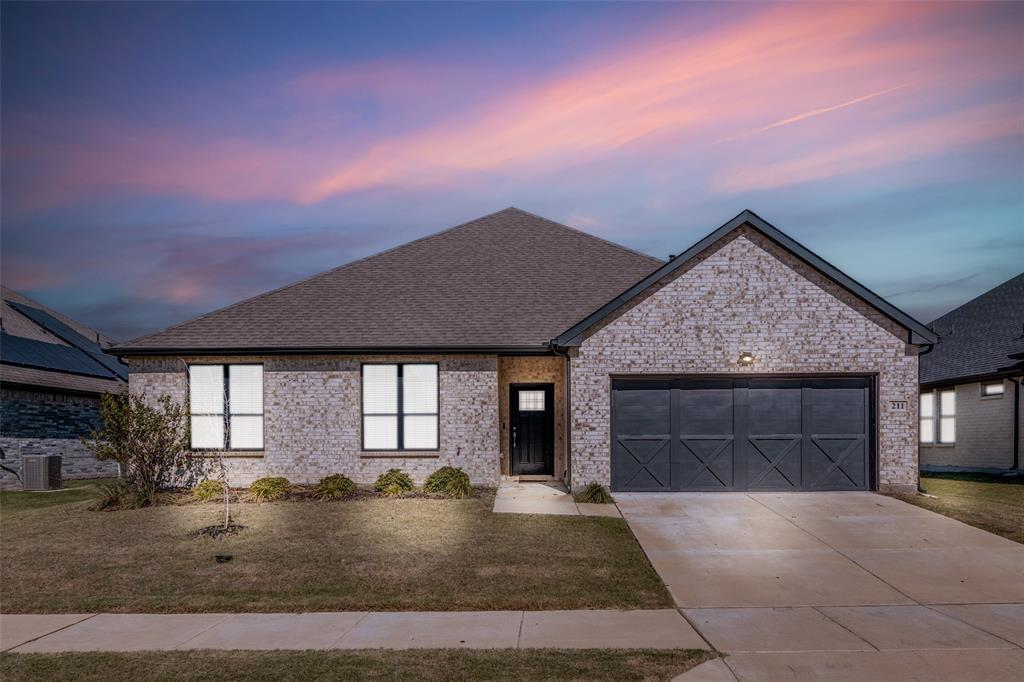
(336, 350)
(567, 475)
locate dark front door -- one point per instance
(741, 434)
(532, 429)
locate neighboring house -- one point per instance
(53, 371)
(513, 345)
(971, 409)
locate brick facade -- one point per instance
(313, 423)
(41, 422)
(984, 431)
(745, 294)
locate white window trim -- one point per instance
(927, 435)
(942, 415)
(999, 394)
(226, 414)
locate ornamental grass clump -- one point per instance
(393, 483)
(267, 489)
(208, 491)
(595, 493)
(334, 487)
(450, 482)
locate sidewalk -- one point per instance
(654, 629)
(533, 497)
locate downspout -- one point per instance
(567, 400)
(1016, 421)
(926, 351)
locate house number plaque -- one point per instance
(898, 405)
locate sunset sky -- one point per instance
(162, 160)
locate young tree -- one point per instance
(149, 443)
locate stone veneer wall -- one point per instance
(746, 294)
(984, 431)
(312, 419)
(530, 370)
(46, 422)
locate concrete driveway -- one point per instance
(836, 585)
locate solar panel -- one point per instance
(69, 335)
(58, 328)
(17, 350)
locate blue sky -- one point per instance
(162, 160)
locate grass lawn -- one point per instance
(429, 664)
(73, 491)
(992, 503)
(366, 554)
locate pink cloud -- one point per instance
(780, 69)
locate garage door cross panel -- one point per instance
(741, 434)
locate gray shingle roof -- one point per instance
(508, 280)
(978, 338)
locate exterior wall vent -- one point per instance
(41, 472)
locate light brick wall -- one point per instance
(745, 294)
(312, 419)
(529, 370)
(984, 431)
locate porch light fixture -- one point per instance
(746, 358)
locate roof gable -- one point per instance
(510, 280)
(917, 332)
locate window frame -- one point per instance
(1002, 389)
(226, 415)
(921, 418)
(400, 415)
(941, 415)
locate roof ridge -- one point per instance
(973, 300)
(576, 230)
(312, 277)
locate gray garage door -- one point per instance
(757, 434)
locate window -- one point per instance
(400, 407)
(992, 389)
(226, 406)
(947, 416)
(531, 401)
(927, 417)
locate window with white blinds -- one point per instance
(226, 407)
(400, 407)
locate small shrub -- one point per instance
(393, 490)
(595, 493)
(450, 482)
(393, 478)
(208, 491)
(334, 487)
(148, 440)
(121, 495)
(267, 489)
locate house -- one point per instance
(971, 408)
(512, 345)
(53, 371)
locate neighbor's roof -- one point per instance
(41, 347)
(918, 333)
(978, 338)
(510, 280)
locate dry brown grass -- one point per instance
(995, 504)
(365, 554)
(432, 665)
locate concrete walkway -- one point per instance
(837, 586)
(533, 497)
(658, 629)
